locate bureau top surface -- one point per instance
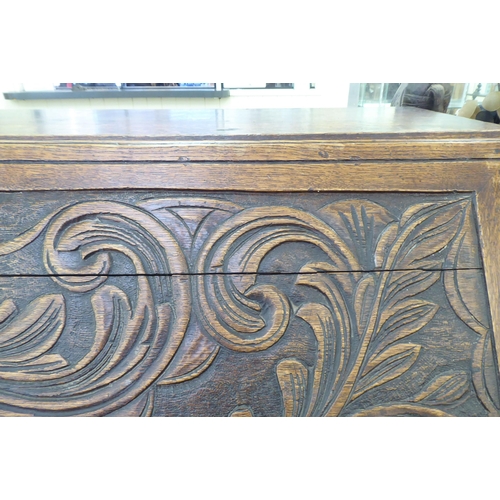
(250, 124)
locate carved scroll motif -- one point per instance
(197, 265)
(133, 343)
(230, 309)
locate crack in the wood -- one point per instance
(264, 273)
(240, 162)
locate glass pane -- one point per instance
(148, 85)
(389, 91)
(377, 93)
(242, 85)
(369, 93)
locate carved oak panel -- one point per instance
(153, 303)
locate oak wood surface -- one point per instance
(256, 177)
(435, 365)
(274, 304)
(238, 124)
(243, 135)
(315, 222)
(265, 150)
(171, 263)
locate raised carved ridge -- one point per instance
(201, 280)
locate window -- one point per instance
(116, 86)
(377, 94)
(381, 94)
(258, 85)
(465, 91)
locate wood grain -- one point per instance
(349, 301)
(262, 150)
(260, 263)
(130, 232)
(232, 124)
(488, 207)
(243, 135)
(432, 361)
(255, 177)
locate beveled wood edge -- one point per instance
(479, 177)
(488, 208)
(346, 149)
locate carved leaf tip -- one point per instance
(363, 301)
(404, 319)
(7, 310)
(199, 361)
(401, 410)
(30, 334)
(445, 389)
(241, 411)
(386, 366)
(293, 380)
(142, 406)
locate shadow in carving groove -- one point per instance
(322, 354)
(446, 347)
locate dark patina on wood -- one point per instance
(216, 291)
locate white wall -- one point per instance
(325, 95)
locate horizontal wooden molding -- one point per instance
(255, 177)
(262, 150)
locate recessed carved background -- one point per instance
(155, 303)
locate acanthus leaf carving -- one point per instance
(293, 379)
(386, 366)
(465, 289)
(209, 252)
(26, 338)
(445, 389)
(230, 309)
(401, 410)
(384, 307)
(133, 343)
(142, 406)
(196, 355)
(241, 411)
(402, 320)
(361, 226)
